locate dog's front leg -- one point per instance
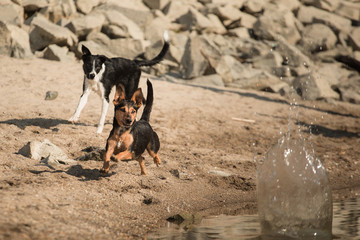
(104, 108)
(81, 105)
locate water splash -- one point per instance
(294, 195)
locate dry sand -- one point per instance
(200, 133)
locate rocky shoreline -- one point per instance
(311, 46)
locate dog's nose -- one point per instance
(128, 120)
(91, 76)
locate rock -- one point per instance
(208, 80)
(327, 5)
(46, 152)
(318, 37)
(51, 95)
(349, 89)
(33, 5)
(268, 62)
(99, 38)
(95, 47)
(178, 44)
(85, 6)
(155, 29)
(114, 31)
(349, 10)
(217, 26)
(261, 80)
(176, 9)
(193, 63)
(308, 15)
(11, 13)
(231, 69)
(254, 6)
(131, 9)
(354, 38)
(311, 86)
(210, 50)
(240, 32)
(60, 12)
(14, 41)
(156, 4)
(82, 26)
(133, 47)
(276, 22)
(130, 28)
(246, 20)
(290, 4)
(292, 56)
(44, 33)
(5, 39)
(194, 20)
(227, 12)
(56, 53)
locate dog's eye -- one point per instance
(122, 109)
(97, 69)
(133, 111)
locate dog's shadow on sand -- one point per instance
(78, 171)
(46, 123)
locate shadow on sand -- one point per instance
(78, 171)
(45, 123)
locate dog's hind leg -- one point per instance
(104, 109)
(141, 161)
(155, 156)
(81, 105)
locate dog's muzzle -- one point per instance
(91, 76)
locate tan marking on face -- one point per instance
(124, 114)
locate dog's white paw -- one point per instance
(99, 129)
(73, 119)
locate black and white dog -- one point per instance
(102, 74)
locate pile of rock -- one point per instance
(271, 45)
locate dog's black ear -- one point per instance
(119, 95)
(102, 58)
(85, 50)
(138, 97)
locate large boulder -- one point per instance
(194, 20)
(277, 21)
(312, 86)
(11, 13)
(60, 12)
(126, 47)
(117, 19)
(33, 5)
(348, 10)
(43, 33)
(354, 38)
(156, 4)
(85, 6)
(14, 41)
(82, 26)
(193, 63)
(349, 89)
(56, 53)
(309, 14)
(318, 37)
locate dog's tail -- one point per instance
(159, 57)
(149, 102)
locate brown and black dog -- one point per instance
(129, 138)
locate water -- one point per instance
(346, 226)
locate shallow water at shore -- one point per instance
(346, 225)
